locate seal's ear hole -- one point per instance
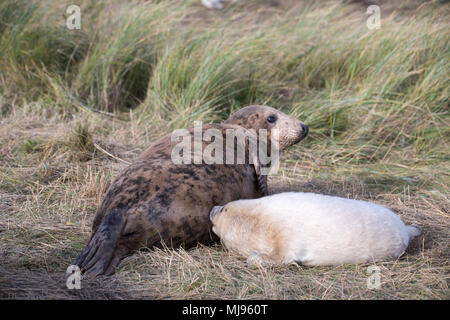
(272, 118)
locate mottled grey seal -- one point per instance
(155, 201)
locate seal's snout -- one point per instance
(305, 130)
(214, 211)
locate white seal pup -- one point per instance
(311, 229)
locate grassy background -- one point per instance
(376, 102)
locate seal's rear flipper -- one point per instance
(101, 255)
(413, 231)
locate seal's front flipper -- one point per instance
(101, 255)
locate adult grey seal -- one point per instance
(155, 200)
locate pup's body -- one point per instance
(312, 229)
(155, 200)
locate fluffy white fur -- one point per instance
(213, 4)
(312, 229)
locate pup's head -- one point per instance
(216, 216)
(224, 217)
(242, 223)
(290, 130)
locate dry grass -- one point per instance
(382, 137)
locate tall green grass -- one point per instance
(364, 93)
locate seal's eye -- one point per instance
(271, 118)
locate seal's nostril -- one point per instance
(305, 130)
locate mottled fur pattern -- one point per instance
(311, 229)
(162, 202)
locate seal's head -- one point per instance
(244, 226)
(290, 130)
